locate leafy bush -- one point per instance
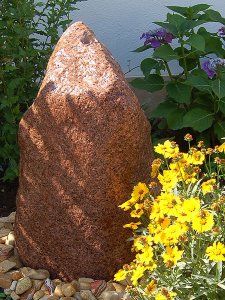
(28, 32)
(179, 232)
(195, 98)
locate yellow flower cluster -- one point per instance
(173, 218)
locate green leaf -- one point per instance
(198, 118)
(163, 109)
(182, 10)
(196, 41)
(147, 65)
(222, 105)
(142, 48)
(167, 26)
(213, 16)
(153, 83)
(178, 22)
(191, 59)
(175, 119)
(166, 53)
(218, 87)
(199, 82)
(180, 92)
(214, 45)
(219, 129)
(200, 7)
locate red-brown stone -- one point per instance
(84, 143)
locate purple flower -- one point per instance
(221, 32)
(210, 66)
(157, 37)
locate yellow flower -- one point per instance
(168, 180)
(171, 256)
(221, 148)
(138, 211)
(155, 167)
(132, 225)
(197, 158)
(146, 256)
(139, 191)
(216, 252)
(156, 212)
(208, 186)
(168, 149)
(165, 295)
(171, 234)
(170, 204)
(189, 209)
(203, 221)
(151, 287)
(128, 204)
(137, 273)
(140, 243)
(120, 275)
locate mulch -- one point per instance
(8, 192)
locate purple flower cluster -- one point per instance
(211, 65)
(157, 37)
(221, 32)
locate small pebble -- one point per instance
(23, 285)
(13, 285)
(7, 291)
(14, 296)
(68, 289)
(38, 295)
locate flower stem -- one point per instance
(184, 59)
(168, 70)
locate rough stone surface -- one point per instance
(68, 290)
(35, 274)
(6, 265)
(5, 281)
(84, 143)
(23, 285)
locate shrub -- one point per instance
(28, 32)
(179, 232)
(195, 98)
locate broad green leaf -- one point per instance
(213, 15)
(219, 129)
(200, 7)
(147, 65)
(222, 105)
(203, 32)
(169, 27)
(199, 82)
(166, 53)
(177, 22)
(182, 10)
(218, 87)
(142, 48)
(163, 109)
(191, 59)
(153, 83)
(175, 119)
(198, 118)
(196, 41)
(180, 92)
(214, 45)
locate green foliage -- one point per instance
(195, 98)
(28, 32)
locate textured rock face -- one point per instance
(84, 143)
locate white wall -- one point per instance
(119, 23)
